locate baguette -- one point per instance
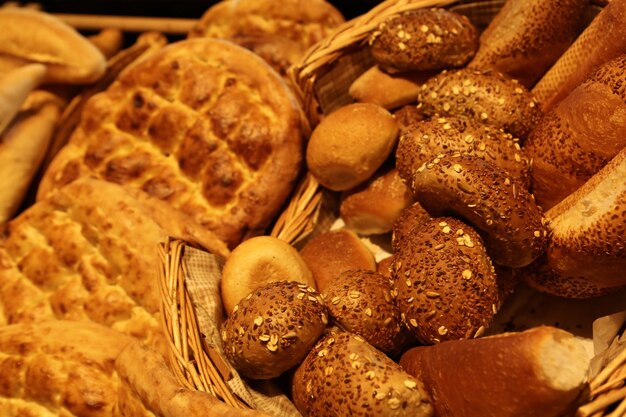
(536, 373)
(15, 86)
(29, 36)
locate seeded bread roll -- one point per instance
(349, 145)
(409, 219)
(535, 373)
(444, 282)
(361, 303)
(424, 39)
(273, 328)
(586, 256)
(580, 135)
(390, 195)
(331, 253)
(384, 266)
(407, 116)
(259, 261)
(487, 97)
(425, 140)
(345, 376)
(498, 206)
(389, 91)
(528, 36)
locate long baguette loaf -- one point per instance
(603, 40)
(536, 373)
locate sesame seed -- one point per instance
(394, 403)
(290, 335)
(424, 28)
(401, 34)
(455, 90)
(356, 365)
(507, 181)
(447, 126)
(484, 116)
(467, 83)
(446, 106)
(413, 322)
(518, 90)
(271, 347)
(482, 146)
(402, 46)
(324, 318)
(432, 294)
(467, 274)
(537, 233)
(518, 158)
(410, 300)
(494, 308)
(224, 337)
(370, 375)
(336, 300)
(300, 296)
(368, 312)
(273, 339)
(380, 396)
(258, 321)
(241, 330)
(469, 139)
(354, 294)
(328, 371)
(442, 330)
(394, 292)
(322, 353)
(264, 337)
(457, 167)
(359, 338)
(311, 298)
(410, 384)
(442, 224)
(446, 229)
(479, 332)
(531, 104)
(433, 94)
(387, 321)
(439, 246)
(408, 282)
(235, 308)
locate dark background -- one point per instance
(173, 8)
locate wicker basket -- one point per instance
(321, 81)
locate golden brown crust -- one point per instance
(202, 124)
(424, 39)
(88, 252)
(485, 96)
(425, 140)
(498, 206)
(373, 207)
(500, 375)
(331, 253)
(280, 32)
(273, 328)
(361, 303)
(580, 135)
(528, 36)
(444, 282)
(350, 144)
(344, 376)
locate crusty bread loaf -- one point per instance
(23, 147)
(350, 144)
(331, 253)
(586, 256)
(527, 36)
(258, 261)
(388, 90)
(203, 124)
(279, 32)
(602, 40)
(423, 39)
(30, 36)
(373, 207)
(536, 373)
(88, 252)
(579, 135)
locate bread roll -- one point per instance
(410, 218)
(23, 147)
(487, 97)
(423, 39)
(273, 329)
(527, 36)
(29, 36)
(331, 253)
(425, 140)
(444, 282)
(259, 261)
(586, 256)
(407, 116)
(389, 91)
(536, 373)
(360, 302)
(345, 376)
(579, 135)
(603, 40)
(499, 207)
(349, 145)
(373, 207)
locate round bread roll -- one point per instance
(345, 376)
(331, 253)
(372, 207)
(425, 140)
(361, 303)
(424, 39)
(349, 145)
(273, 328)
(259, 261)
(410, 218)
(279, 32)
(487, 97)
(444, 282)
(498, 206)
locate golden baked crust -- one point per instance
(278, 31)
(89, 253)
(203, 124)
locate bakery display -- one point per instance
(273, 328)
(343, 376)
(184, 126)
